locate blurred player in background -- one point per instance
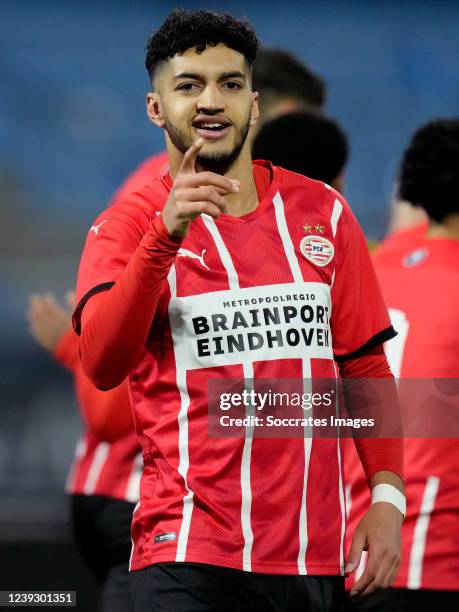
(420, 282)
(407, 223)
(405, 216)
(304, 142)
(103, 483)
(227, 524)
(285, 83)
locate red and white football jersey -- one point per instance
(407, 237)
(262, 505)
(111, 469)
(420, 283)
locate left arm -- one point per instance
(382, 459)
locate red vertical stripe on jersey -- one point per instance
(323, 503)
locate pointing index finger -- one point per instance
(189, 159)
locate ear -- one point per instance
(255, 110)
(154, 109)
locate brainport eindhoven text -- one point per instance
(278, 326)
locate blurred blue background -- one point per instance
(73, 126)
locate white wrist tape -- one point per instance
(390, 494)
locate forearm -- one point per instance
(66, 350)
(387, 477)
(115, 323)
(380, 457)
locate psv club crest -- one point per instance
(317, 250)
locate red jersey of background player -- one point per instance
(420, 283)
(106, 464)
(107, 459)
(401, 238)
(253, 504)
(152, 168)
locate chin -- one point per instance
(215, 150)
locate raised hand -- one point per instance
(48, 320)
(195, 193)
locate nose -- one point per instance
(211, 100)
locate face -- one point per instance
(209, 96)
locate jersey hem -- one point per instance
(99, 493)
(260, 567)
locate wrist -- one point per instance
(65, 351)
(163, 230)
(388, 493)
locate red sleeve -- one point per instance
(106, 413)
(376, 454)
(360, 320)
(66, 350)
(110, 243)
(115, 323)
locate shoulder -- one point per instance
(287, 178)
(307, 191)
(316, 199)
(135, 210)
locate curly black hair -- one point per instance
(304, 142)
(184, 30)
(429, 172)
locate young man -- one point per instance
(287, 85)
(103, 483)
(166, 290)
(305, 142)
(420, 282)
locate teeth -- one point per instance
(212, 125)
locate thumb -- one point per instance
(189, 159)
(358, 545)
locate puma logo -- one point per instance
(96, 228)
(187, 253)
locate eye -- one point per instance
(187, 86)
(233, 85)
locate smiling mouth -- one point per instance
(211, 130)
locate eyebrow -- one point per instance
(198, 77)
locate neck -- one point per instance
(239, 203)
(448, 228)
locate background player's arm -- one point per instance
(50, 324)
(115, 323)
(108, 415)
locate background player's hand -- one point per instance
(48, 320)
(195, 193)
(379, 533)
